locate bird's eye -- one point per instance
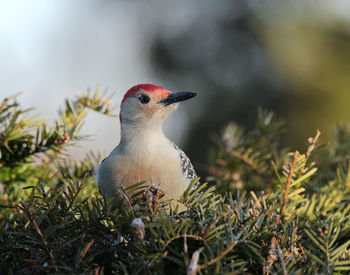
(144, 99)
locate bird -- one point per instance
(144, 153)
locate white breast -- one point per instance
(156, 162)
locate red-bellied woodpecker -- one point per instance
(144, 153)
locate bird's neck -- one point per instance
(142, 134)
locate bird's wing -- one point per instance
(186, 165)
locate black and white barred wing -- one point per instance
(187, 167)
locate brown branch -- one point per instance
(228, 213)
(165, 253)
(187, 205)
(193, 268)
(247, 161)
(128, 200)
(256, 200)
(85, 250)
(280, 256)
(271, 258)
(210, 227)
(286, 190)
(312, 142)
(198, 238)
(238, 216)
(38, 230)
(223, 254)
(152, 196)
(303, 252)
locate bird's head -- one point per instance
(150, 103)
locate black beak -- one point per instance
(177, 97)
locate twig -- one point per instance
(303, 252)
(187, 205)
(280, 255)
(312, 142)
(128, 200)
(158, 259)
(152, 196)
(247, 161)
(210, 227)
(286, 190)
(97, 270)
(165, 253)
(228, 213)
(238, 216)
(272, 256)
(257, 202)
(79, 188)
(193, 267)
(48, 203)
(323, 232)
(218, 258)
(198, 238)
(186, 251)
(38, 230)
(85, 250)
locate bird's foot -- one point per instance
(152, 196)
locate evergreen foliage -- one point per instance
(268, 211)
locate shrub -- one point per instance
(267, 210)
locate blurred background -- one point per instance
(292, 57)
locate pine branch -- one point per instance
(286, 190)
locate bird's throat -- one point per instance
(141, 138)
